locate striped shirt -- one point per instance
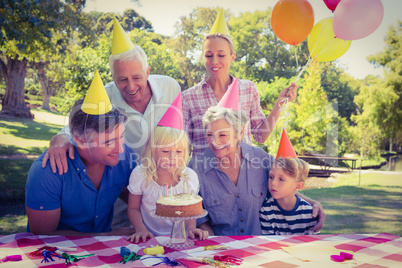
(199, 98)
(275, 220)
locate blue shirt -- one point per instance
(83, 207)
(276, 220)
(233, 209)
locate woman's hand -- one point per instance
(289, 92)
(135, 237)
(202, 235)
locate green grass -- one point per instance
(370, 162)
(13, 190)
(11, 224)
(29, 136)
(373, 207)
(22, 136)
(13, 176)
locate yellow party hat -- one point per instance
(96, 101)
(121, 43)
(220, 24)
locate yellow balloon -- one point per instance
(323, 44)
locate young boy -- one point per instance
(285, 213)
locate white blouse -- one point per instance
(151, 193)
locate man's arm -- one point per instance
(46, 222)
(43, 222)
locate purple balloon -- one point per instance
(355, 19)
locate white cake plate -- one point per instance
(178, 235)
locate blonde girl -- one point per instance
(163, 169)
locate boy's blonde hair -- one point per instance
(303, 169)
(163, 137)
(294, 167)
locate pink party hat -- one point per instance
(174, 115)
(285, 147)
(231, 99)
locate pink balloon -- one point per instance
(331, 4)
(355, 19)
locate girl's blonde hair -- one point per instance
(164, 137)
(294, 167)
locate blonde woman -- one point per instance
(218, 54)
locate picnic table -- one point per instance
(326, 162)
(368, 250)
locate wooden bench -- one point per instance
(326, 163)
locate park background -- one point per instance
(50, 51)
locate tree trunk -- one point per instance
(40, 66)
(14, 98)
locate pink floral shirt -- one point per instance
(199, 98)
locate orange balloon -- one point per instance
(292, 20)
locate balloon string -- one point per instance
(324, 48)
(310, 60)
(304, 68)
(283, 107)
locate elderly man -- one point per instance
(142, 97)
(80, 201)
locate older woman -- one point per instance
(233, 176)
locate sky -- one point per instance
(164, 14)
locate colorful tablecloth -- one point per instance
(370, 250)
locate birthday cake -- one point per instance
(180, 205)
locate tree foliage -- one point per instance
(260, 55)
(130, 20)
(315, 123)
(389, 105)
(187, 41)
(27, 28)
(80, 65)
(340, 89)
(333, 113)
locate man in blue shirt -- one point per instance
(81, 200)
